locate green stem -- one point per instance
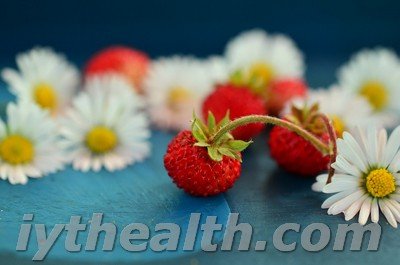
(319, 145)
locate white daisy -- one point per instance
(29, 144)
(367, 177)
(375, 74)
(218, 68)
(106, 126)
(345, 109)
(44, 77)
(174, 88)
(256, 58)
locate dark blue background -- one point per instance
(327, 31)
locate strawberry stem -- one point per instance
(332, 139)
(318, 144)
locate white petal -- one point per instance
(96, 164)
(372, 146)
(375, 211)
(343, 166)
(392, 146)
(387, 213)
(340, 185)
(395, 196)
(394, 165)
(334, 198)
(344, 203)
(350, 154)
(382, 140)
(354, 208)
(318, 186)
(394, 207)
(17, 176)
(365, 211)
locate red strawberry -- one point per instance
(240, 102)
(192, 169)
(128, 62)
(282, 91)
(294, 153)
(201, 166)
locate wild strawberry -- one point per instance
(202, 168)
(130, 63)
(206, 161)
(294, 153)
(192, 169)
(282, 91)
(239, 101)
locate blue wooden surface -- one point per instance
(141, 193)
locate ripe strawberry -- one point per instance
(294, 153)
(192, 169)
(240, 102)
(200, 167)
(128, 62)
(282, 91)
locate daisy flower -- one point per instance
(375, 74)
(256, 59)
(174, 88)
(29, 144)
(367, 177)
(218, 68)
(43, 77)
(346, 110)
(106, 126)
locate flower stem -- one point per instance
(318, 144)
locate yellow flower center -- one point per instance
(258, 77)
(380, 183)
(376, 93)
(338, 124)
(178, 95)
(101, 139)
(45, 96)
(261, 73)
(16, 149)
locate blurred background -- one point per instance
(328, 32)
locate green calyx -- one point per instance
(308, 117)
(225, 145)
